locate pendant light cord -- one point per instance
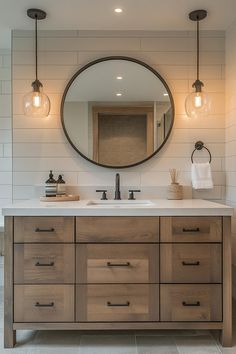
(36, 47)
(198, 49)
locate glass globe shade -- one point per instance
(36, 104)
(197, 104)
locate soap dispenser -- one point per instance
(61, 186)
(51, 186)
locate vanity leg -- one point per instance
(9, 333)
(226, 335)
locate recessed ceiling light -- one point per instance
(119, 77)
(118, 94)
(118, 10)
(165, 94)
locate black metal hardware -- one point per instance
(44, 230)
(191, 230)
(197, 303)
(131, 193)
(197, 263)
(117, 186)
(199, 145)
(126, 304)
(127, 264)
(103, 191)
(38, 264)
(51, 304)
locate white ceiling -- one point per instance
(99, 14)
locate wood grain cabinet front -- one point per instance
(44, 229)
(44, 263)
(111, 303)
(44, 303)
(191, 263)
(194, 303)
(130, 229)
(117, 263)
(191, 229)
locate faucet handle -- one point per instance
(104, 193)
(131, 193)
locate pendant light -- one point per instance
(197, 103)
(36, 103)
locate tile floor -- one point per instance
(150, 342)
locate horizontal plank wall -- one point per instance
(40, 145)
(230, 135)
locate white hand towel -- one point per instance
(201, 176)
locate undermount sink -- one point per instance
(120, 203)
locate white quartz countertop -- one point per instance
(158, 207)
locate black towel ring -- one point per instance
(199, 145)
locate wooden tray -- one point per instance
(60, 198)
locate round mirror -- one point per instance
(117, 112)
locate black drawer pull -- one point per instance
(191, 263)
(38, 264)
(51, 304)
(196, 229)
(197, 303)
(126, 304)
(44, 230)
(126, 264)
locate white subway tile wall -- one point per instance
(5, 130)
(230, 134)
(40, 145)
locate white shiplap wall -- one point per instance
(40, 145)
(5, 129)
(230, 142)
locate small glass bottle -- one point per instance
(51, 186)
(61, 186)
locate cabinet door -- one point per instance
(197, 303)
(117, 263)
(191, 263)
(191, 229)
(44, 263)
(117, 229)
(43, 229)
(111, 303)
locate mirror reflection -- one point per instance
(117, 112)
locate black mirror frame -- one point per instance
(107, 59)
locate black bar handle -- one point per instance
(197, 263)
(126, 264)
(44, 230)
(197, 303)
(38, 264)
(126, 304)
(51, 304)
(191, 230)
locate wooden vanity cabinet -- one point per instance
(117, 273)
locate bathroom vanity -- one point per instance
(100, 266)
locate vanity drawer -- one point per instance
(43, 303)
(110, 303)
(44, 229)
(196, 302)
(117, 229)
(117, 263)
(191, 263)
(191, 229)
(44, 263)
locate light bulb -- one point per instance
(36, 104)
(197, 104)
(197, 100)
(37, 100)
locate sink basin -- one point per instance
(120, 203)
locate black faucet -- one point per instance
(117, 191)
